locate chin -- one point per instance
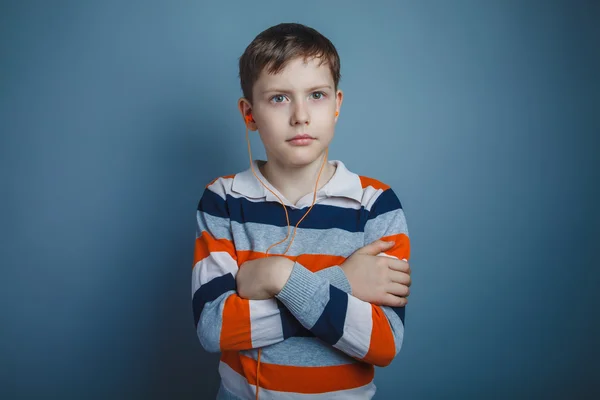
(301, 160)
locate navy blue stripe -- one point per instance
(386, 202)
(330, 325)
(399, 312)
(213, 204)
(303, 332)
(321, 216)
(290, 325)
(210, 291)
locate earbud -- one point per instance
(337, 113)
(249, 118)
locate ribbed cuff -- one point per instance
(299, 290)
(336, 277)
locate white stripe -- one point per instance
(264, 330)
(218, 263)
(239, 386)
(384, 254)
(235, 383)
(221, 186)
(342, 202)
(357, 328)
(370, 194)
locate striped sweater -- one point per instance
(317, 340)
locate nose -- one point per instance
(300, 115)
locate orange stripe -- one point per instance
(401, 248)
(366, 182)
(382, 349)
(223, 177)
(206, 243)
(312, 262)
(236, 331)
(236, 328)
(285, 378)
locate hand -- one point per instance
(379, 280)
(263, 278)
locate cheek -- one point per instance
(324, 111)
(269, 135)
(273, 115)
(326, 119)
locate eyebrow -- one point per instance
(312, 89)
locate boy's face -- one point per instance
(299, 100)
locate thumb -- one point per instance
(376, 247)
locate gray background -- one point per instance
(115, 114)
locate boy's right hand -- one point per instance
(379, 280)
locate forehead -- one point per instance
(297, 74)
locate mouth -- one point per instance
(301, 137)
(301, 140)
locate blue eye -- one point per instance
(318, 95)
(278, 98)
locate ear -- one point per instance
(246, 111)
(339, 97)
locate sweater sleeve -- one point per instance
(336, 277)
(224, 320)
(367, 332)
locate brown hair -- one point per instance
(276, 46)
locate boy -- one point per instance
(311, 314)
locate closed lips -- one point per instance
(297, 137)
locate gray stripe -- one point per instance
(336, 277)
(258, 237)
(305, 294)
(397, 326)
(302, 352)
(390, 223)
(218, 227)
(211, 320)
(224, 394)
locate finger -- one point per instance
(376, 247)
(397, 289)
(394, 301)
(399, 265)
(399, 277)
(406, 261)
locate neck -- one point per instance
(295, 182)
